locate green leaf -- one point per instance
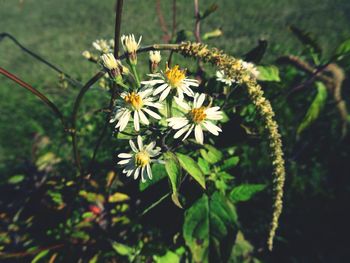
(40, 256)
(212, 34)
(16, 179)
(343, 49)
(192, 168)
(122, 249)
(204, 165)
(306, 38)
(158, 172)
(257, 53)
(229, 163)
(173, 169)
(196, 229)
(315, 108)
(244, 192)
(169, 257)
(268, 73)
(211, 9)
(212, 155)
(208, 221)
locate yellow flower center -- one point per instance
(198, 114)
(134, 100)
(142, 158)
(175, 76)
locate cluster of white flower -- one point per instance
(140, 105)
(222, 77)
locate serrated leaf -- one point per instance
(244, 192)
(173, 170)
(207, 222)
(343, 49)
(211, 154)
(306, 38)
(315, 108)
(268, 73)
(158, 172)
(16, 179)
(257, 53)
(192, 168)
(229, 163)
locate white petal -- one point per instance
(182, 103)
(136, 121)
(178, 122)
(124, 120)
(143, 118)
(125, 155)
(124, 161)
(160, 89)
(150, 146)
(189, 132)
(153, 114)
(181, 131)
(133, 146)
(200, 100)
(152, 82)
(212, 128)
(143, 174)
(136, 174)
(198, 133)
(165, 93)
(149, 172)
(139, 142)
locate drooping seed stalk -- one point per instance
(233, 69)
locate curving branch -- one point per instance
(71, 80)
(37, 93)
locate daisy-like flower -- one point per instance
(135, 105)
(222, 77)
(139, 161)
(103, 45)
(130, 46)
(196, 118)
(173, 79)
(251, 68)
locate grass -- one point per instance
(61, 30)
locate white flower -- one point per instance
(103, 46)
(221, 76)
(86, 54)
(109, 61)
(135, 104)
(130, 46)
(172, 79)
(155, 57)
(251, 68)
(129, 43)
(196, 118)
(138, 162)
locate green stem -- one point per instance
(169, 103)
(136, 75)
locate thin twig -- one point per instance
(118, 17)
(173, 31)
(76, 106)
(37, 93)
(197, 27)
(71, 80)
(163, 26)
